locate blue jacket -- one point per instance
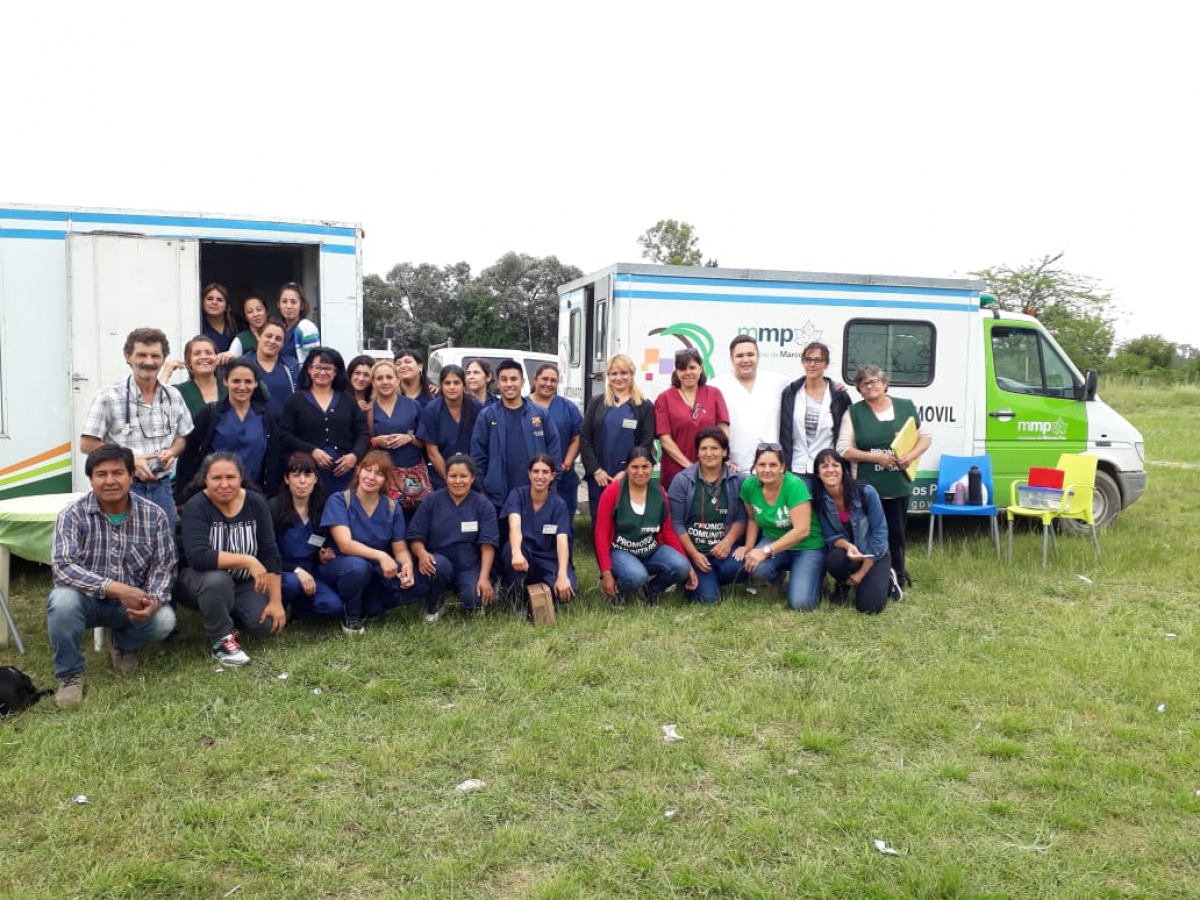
(490, 442)
(683, 492)
(869, 527)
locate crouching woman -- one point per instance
(636, 545)
(231, 563)
(856, 533)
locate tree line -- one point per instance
(514, 304)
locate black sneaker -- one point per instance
(352, 626)
(895, 594)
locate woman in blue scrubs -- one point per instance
(567, 421)
(280, 373)
(453, 538)
(240, 423)
(447, 422)
(392, 422)
(539, 544)
(303, 543)
(373, 571)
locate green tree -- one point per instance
(524, 292)
(424, 302)
(1072, 307)
(1149, 355)
(672, 243)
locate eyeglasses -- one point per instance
(778, 448)
(324, 370)
(870, 382)
(812, 360)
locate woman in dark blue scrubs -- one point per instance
(447, 422)
(303, 543)
(392, 425)
(240, 423)
(279, 372)
(453, 536)
(374, 570)
(567, 420)
(539, 528)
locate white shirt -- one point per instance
(753, 413)
(804, 451)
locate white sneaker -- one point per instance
(432, 617)
(228, 652)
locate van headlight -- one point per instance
(1140, 447)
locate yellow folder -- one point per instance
(906, 438)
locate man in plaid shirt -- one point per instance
(149, 418)
(113, 564)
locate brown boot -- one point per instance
(124, 661)
(70, 691)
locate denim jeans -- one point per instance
(657, 572)
(69, 614)
(160, 494)
(708, 584)
(807, 568)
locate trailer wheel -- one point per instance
(1105, 506)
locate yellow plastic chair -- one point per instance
(1079, 487)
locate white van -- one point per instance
(985, 380)
(460, 356)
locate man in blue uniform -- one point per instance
(508, 434)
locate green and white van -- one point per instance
(985, 380)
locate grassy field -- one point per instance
(1009, 731)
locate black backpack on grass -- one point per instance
(17, 691)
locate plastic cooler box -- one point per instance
(1040, 497)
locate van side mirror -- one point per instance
(1089, 385)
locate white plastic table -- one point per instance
(26, 530)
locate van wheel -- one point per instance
(1105, 506)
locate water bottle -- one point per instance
(974, 486)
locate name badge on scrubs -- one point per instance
(316, 540)
(550, 529)
(629, 424)
(470, 527)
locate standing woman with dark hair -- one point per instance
(856, 533)
(323, 420)
(479, 380)
(810, 413)
(783, 536)
(358, 373)
(303, 543)
(636, 545)
(202, 386)
(567, 421)
(447, 422)
(414, 384)
(254, 311)
(868, 429)
(615, 422)
(230, 565)
(302, 335)
(240, 423)
(216, 317)
(708, 514)
(392, 427)
(453, 537)
(279, 371)
(682, 410)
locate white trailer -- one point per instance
(74, 282)
(986, 381)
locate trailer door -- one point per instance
(116, 283)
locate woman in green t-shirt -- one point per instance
(782, 535)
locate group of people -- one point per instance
(300, 487)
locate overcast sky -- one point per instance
(926, 139)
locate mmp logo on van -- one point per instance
(1034, 430)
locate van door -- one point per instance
(116, 283)
(1033, 404)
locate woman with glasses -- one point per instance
(447, 422)
(302, 335)
(782, 535)
(614, 423)
(636, 545)
(323, 420)
(708, 515)
(279, 371)
(689, 405)
(200, 361)
(868, 429)
(810, 413)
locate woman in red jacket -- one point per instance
(636, 545)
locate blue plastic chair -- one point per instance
(951, 470)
